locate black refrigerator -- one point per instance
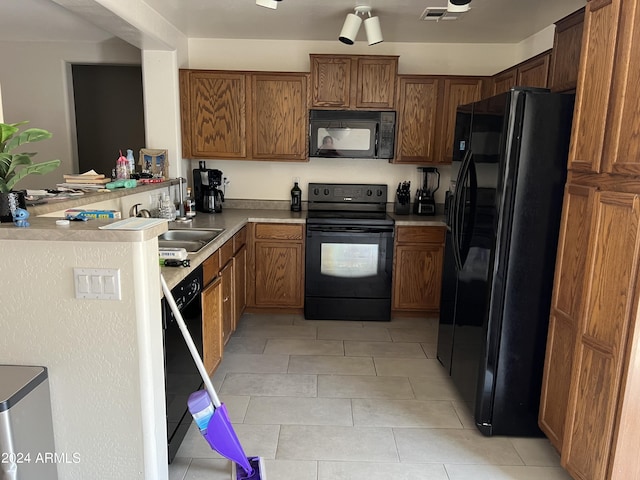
(503, 217)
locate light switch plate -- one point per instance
(97, 283)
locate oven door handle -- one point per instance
(325, 229)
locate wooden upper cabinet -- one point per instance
(330, 81)
(595, 83)
(457, 91)
(417, 119)
(565, 57)
(530, 73)
(622, 141)
(610, 309)
(504, 81)
(279, 116)
(566, 309)
(376, 82)
(534, 72)
(353, 81)
(214, 114)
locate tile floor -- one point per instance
(326, 400)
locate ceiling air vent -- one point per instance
(439, 13)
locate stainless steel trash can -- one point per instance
(27, 450)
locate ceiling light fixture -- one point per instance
(458, 6)
(352, 26)
(272, 4)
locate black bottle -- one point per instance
(296, 198)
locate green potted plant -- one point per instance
(16, 166)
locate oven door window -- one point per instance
(348, 265)
(344, 260)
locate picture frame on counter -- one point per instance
(154, 161)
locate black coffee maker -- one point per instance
(208, 197)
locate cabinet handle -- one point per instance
(226, 299)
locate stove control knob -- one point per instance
(326, 192)
(316, 191)
(379, 192)
(369, 193)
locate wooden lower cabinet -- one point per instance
(417, 269)
(566, 309)
(610, 310)
(589, 404)
(212, 325)
(277, 266)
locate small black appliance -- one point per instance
(425, 203)
(208, 197)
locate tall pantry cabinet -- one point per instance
(590, 404)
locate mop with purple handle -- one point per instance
(219, 431)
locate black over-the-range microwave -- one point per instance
(351, 134)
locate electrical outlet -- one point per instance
(97, 283)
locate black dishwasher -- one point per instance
(181, 374)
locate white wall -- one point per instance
(104, 357)
(37, 86)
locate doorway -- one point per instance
(109, 108)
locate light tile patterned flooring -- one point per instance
(327, 400)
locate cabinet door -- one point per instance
(418, 277)
(417, 109)
(212, 326)
(226, 277)
(609, 309)
(622, 147)
(279, 112)
(534, 72)
(565, 57)
(504, 81)
(566, 308)
(239, 279)
(214, 115)
(330, 81)
(376, 82)
(594, 85)
(457, 91)
(279, 275)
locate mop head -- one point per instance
(257, 464)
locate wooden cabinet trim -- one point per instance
(409, 234)
(279, 231)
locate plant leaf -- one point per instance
(6, 132)
(38, 169)
(30, 135)
(3, 186)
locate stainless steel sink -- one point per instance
(192, 240)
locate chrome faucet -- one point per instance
(133, 212)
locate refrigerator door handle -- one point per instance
(465, 244)
(458, 211)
